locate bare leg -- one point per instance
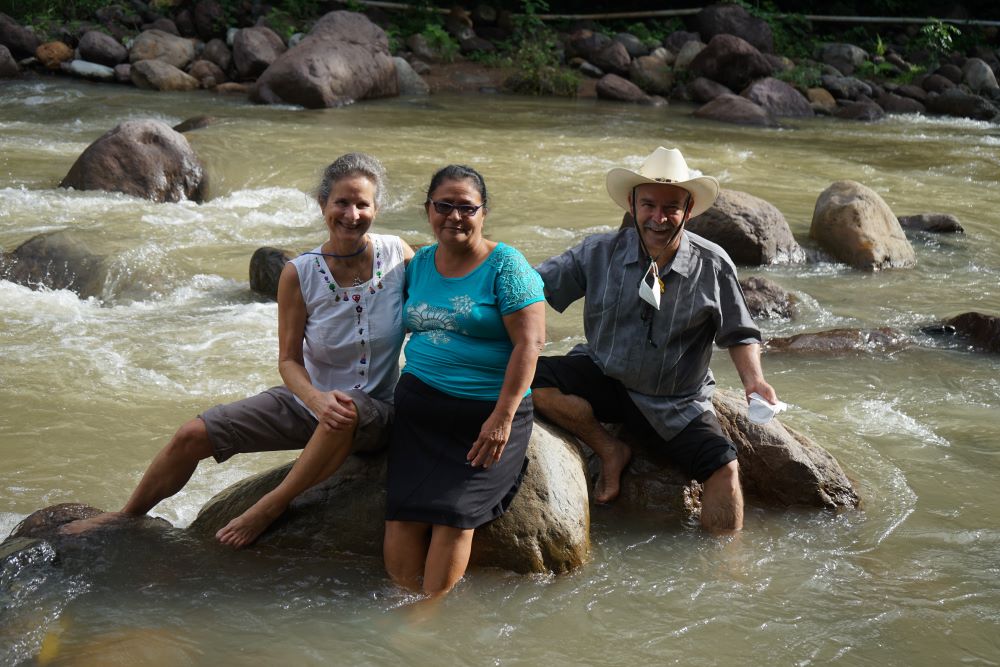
(722, 501)
(447, 559)
(167, 474)
(405, 552)
(322, 456)
(577, 416)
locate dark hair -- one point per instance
(353, 164)
(459, 172)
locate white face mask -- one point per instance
(650, 287)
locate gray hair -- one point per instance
(353, 164)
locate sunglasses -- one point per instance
(445, 208)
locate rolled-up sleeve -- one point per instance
(564, 278)
(734, 324)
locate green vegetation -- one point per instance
(535, 57)
(938, 37)
(804, 75)
(440, 42)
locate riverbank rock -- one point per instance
(21, 41)
(158, 75)
(142, 158)
(749, 229)
(731, 61)
(652, 75)
(978, 76)
(956, 102)
(862, 110)
(836, 342)
(345, 57)
(614, 87)
(409, 82)
(778, 467)
(98, 47)
(266, 265)
(729, 19)
(938, 223)
(767, 299)
(982, 330)
(703, 90)
(88, 70)
(854, 224)
(778, 98)
(545, 530)
(845, 57)
(613, 58)
(729, 108)
(8, 66)
(160, 45)
(207, 73)
(56, 260)
(53, 54)
(254, 49)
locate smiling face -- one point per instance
(349, 211)
(453, 228)
(659, 209)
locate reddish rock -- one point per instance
(778, 97)
(736, 109)
(53, 54)
(982, 330)
(842, 341)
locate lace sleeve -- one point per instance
(517, 284)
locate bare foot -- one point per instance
(81, 526)
(609, 479)
(247, 527)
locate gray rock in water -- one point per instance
(344, 58)
(266, 265)
(854, 224)
(982, 330)
(142, 158)
(835, 342)
(863, 110)
(729, 108)
(546, 528)
(56, 260)
(194, 123)
(767, 299)
(614, 87)
(940, 223)
(88, 70)
(410, 83)
(751, 230)
(158, 75)
(956, 102)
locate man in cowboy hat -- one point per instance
(656, 298)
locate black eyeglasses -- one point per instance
(445, 208)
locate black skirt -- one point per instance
(429, 480)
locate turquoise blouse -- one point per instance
(458, 343)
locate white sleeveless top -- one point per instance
(353, 335)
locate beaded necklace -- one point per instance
(332, 284)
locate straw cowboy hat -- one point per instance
(664, 165)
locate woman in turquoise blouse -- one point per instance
(475, 309)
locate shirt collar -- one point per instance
(682, 263)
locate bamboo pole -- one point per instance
(664, 13)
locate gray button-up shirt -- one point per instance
(670, 382)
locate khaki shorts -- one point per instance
(273, 421)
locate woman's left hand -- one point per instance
(488, 447)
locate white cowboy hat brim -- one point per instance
(663, 166)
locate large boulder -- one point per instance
(978, 76)
(956, 102)
(778, 467)
(266, 265)
(614, 87)
(21, 41)
(409, 82)
(854, 224)
(846, 87)
(8, 66)
(142, 158)
(731, 19)
(207, 73)
(652, 75)
(687, 54)
(838, 342)
(749, 229)
(982, 330)
(767, 299)
(103, 49)
(613, 58)
(345, 57)
(160, 45)
(863, 110)
(158, 75)
(845, 57)
(703, 90)
(547, 528)
(894, 103)
(254, 49)
(217, 52)
(778, 97)
(586, 43)
(56, 260)
(731, 61)
(729, 108)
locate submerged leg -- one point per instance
(447, 559)
(722, 501)
(405, 552)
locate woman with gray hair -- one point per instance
(339, 336)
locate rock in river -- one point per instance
(56, 260)
(749, 229)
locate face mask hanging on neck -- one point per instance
(650, 287)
